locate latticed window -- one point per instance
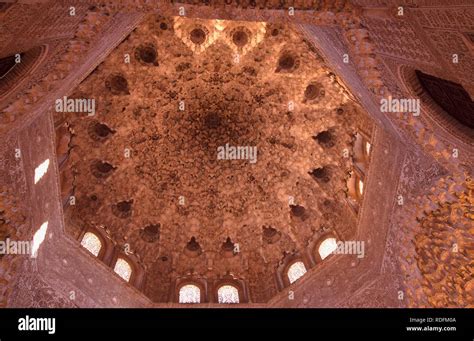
(368, 146)
(92, 243)
(189, 294)
(295, 271)
(361, 187)
(327, 247)
(41, 170)
(123, 269)
(228, 294)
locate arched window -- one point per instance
(361, 186)
(361, 151)
(16, 67)
(6, 65)
(38, 239)
(41, 170)
(355, 184)
(123, 269)
(328, 246)
(450, 96)
(295, 271)
(92, 243)
(228, 294)
(368, 146)
(189, 293)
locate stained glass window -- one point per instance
(327, 247)
(123, 269)
(295, 271)
(92, 243)
(228, 294)
(189, 294)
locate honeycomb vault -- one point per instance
(222, 155)
(149, 155)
